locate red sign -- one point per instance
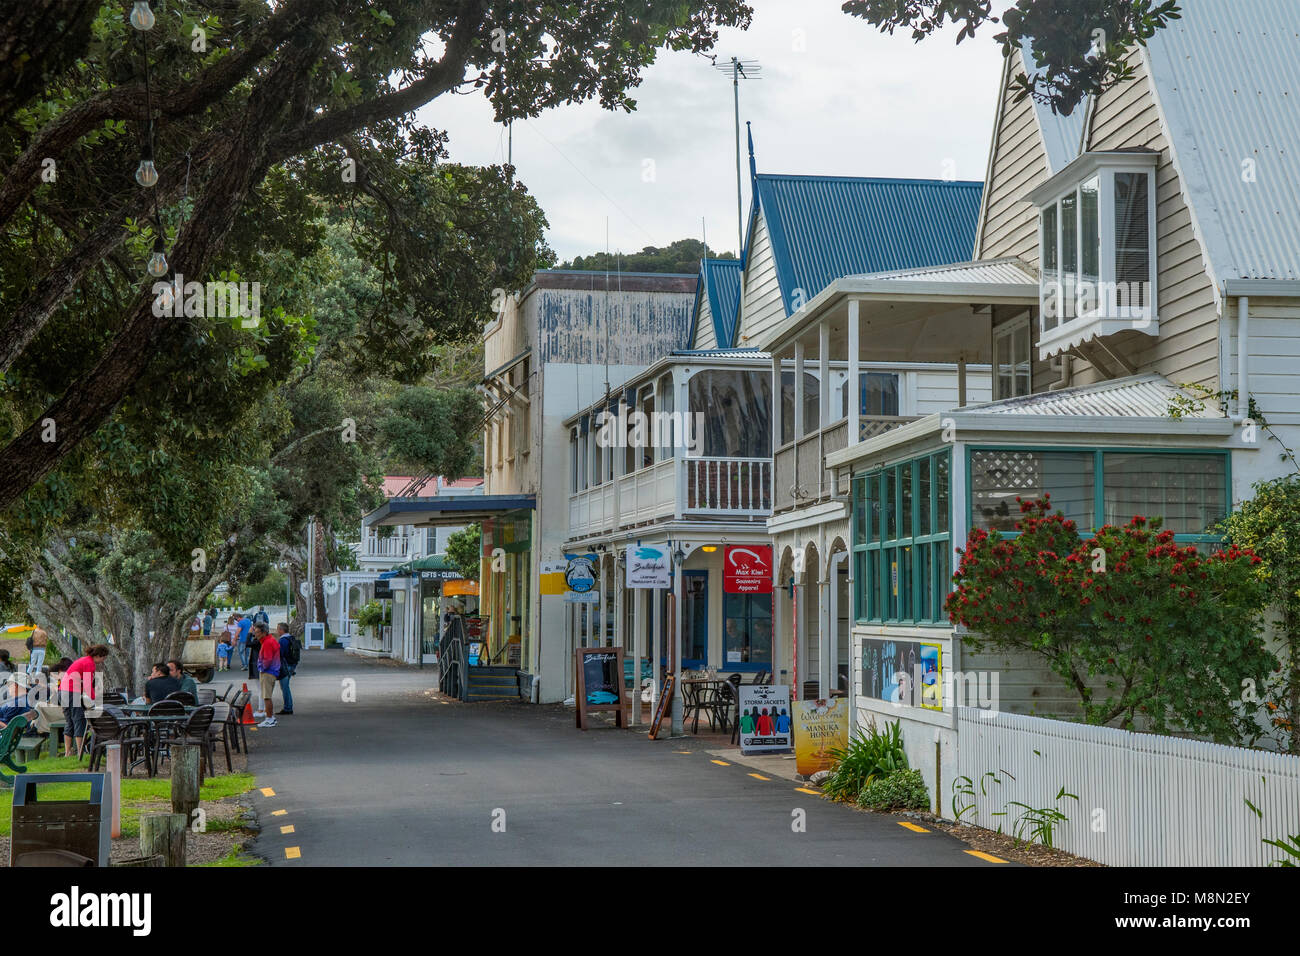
(747, 569)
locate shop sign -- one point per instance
(747, 569)
(647, 567)
(765, 722)
(820, 726)
(552, 577)
(580, 576)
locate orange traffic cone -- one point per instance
(248, 710)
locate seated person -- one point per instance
(160, 684)
(13, 701)
(5, 663)
(188, 684)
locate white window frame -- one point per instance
(1106, 316)
(1010, 330)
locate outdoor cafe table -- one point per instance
(691, 688)
(144, 708)
(154, 723)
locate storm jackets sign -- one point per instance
(747, 569)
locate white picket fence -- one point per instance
(1144, 800)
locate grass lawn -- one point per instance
(235, 857)
(136, 793)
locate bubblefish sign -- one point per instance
(647, 567)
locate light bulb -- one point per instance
(146, 174)
(141, 15)
(158, 261)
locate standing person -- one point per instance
(39, 641)
(261, 617)
(223, 651)
(255, 636)
(245, 628)
(78, 683)
(209, 618)
(290, 654)
(268, 671)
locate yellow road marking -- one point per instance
(268, 792)
(759, 776)
(681, 751)
(815, 793)
(985, 856)
(278, 813)
(913, 827)
(287, 829)
(721, 763)
(292, 852)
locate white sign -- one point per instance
(314, 635)
(331, 585)
(647, 567)
(304, 588)
(765, 722)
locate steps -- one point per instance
(492, 683)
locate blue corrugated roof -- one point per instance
(825, 227)
(720, 281)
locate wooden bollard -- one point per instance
(185, 779)
(163, 834)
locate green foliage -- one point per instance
(1266, 525)
(1037, 824)
(464, 549)
(1289, 845)
(900, 790)
(682, 256)
(269, 590)
(871, 753)
(1080, 47)
(1173, 635)
(433, 431)
(374, 614)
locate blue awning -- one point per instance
(449, 510)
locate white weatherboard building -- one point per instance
(1148, 243)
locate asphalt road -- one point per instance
(394, 777)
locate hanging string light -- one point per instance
(146, 174)
(141, 16)
(158, 261)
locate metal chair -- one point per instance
(182, 696)
(206, 695)
(225, 694)
(234, 721)
(133, 738)
(195, 733)
(220, 729)
(733, 688)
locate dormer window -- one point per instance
(1096, 221)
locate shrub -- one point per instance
(1172, 634)
(373, 614)
(872, 754)
(900, 790)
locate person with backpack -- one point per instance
(290, 654)
(261, 617)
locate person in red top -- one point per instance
(268, 670)
(77, 684)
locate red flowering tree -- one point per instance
(1133, 623)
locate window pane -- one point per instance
(1188, 491)
(859, 512)
(1050, 281)
(787, 407)
(925, 582)
(905, 488)
(1049, 239)
(923, 495)
(874, 528)
(735, 408)
(1090, 251)
(941, 494)
(860, 586)
(888, 502)
(1132, 252)
(1069, 237)
(998, 477)
(879, 393)
(1022, 361)
(1003, 361)
(905, 584)
(811, 403)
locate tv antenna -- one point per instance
(739, 70)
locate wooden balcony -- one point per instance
(802, 477)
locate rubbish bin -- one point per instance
(71, 826)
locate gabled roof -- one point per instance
(1227, 81)
(1062, 135)
(720, 282)
(826, 227)
(1007, 270)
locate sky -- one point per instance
(835, 98)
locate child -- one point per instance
(224, 647)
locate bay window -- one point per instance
(1097, 248)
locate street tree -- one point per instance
(227, 99)
(1081, 47)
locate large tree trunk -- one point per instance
(318, 569)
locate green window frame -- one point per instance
(902, 541)
(1105, 498)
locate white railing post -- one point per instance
(854, 384)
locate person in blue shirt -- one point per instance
(13, 701)
(245, 625)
